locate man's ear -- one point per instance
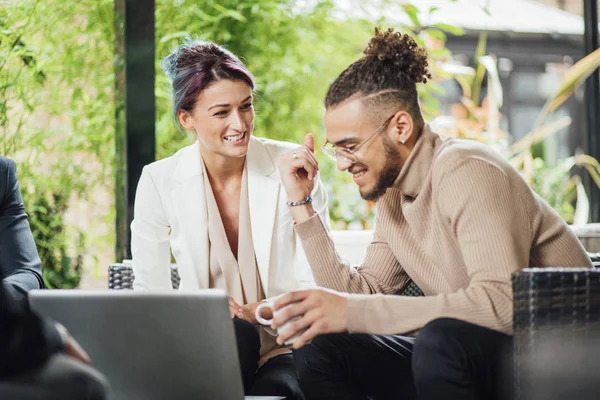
(403, 126)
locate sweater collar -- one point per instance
(415, 170)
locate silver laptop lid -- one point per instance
(152, 345)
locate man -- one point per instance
(20, 266)
(452, 216)
(38, 358)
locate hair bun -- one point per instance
(401, 50)
(189, 54)
(169, 66)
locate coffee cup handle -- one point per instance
(260, 319)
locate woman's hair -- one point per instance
(385, 77)
(195, 65)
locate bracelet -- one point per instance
(307, 200)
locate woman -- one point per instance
(219, 207)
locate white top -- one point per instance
(170, 214)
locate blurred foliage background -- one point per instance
(57, 103)
(57, 108)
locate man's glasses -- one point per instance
(349, 153)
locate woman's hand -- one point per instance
(250, 312)
(235, 310)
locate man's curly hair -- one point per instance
(386, 76)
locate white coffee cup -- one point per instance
(281, 329)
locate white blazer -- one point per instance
(170, 215)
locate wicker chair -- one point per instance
(120, 277)
(553, 308)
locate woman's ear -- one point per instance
(185, 119)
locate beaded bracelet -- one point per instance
(300, 202)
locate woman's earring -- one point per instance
(402, 140)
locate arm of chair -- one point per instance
(120, 276)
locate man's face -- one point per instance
(378, 161)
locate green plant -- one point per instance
(46, 217)
(478, 119)
(57, 117)
(57, 106)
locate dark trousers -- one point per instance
(61, 378)
(277, 377)
(449, 359)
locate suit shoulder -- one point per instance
(8, 173)
(6, 165)
(8, 177)
(167, 165)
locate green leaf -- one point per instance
(412, 13)
(574, 78)
(230, 13)
(480, 69)
(437, 34)
(174, 35)
(204, 16)
(454, 30)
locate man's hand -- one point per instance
(323, 311)
(72, 348)
(298, 169)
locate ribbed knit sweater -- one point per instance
(458, 221)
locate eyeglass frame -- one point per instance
(333, 153)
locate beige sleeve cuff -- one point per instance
(356, 311)
(380, 314)
(311, 227)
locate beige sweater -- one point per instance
(458, 222)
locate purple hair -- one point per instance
(195, 65)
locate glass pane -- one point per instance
(525, 84)
(522, 118)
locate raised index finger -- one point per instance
(309, 141)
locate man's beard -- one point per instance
(388, 176)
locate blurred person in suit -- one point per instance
(20, 266)
(38, 357)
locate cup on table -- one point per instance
(281, 329)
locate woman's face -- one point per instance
(222, 118)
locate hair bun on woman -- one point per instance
(188, 54)
(401, 50)
(169, 66)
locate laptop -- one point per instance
(153, 345)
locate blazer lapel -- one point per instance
(263, 196)
(190, 204)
